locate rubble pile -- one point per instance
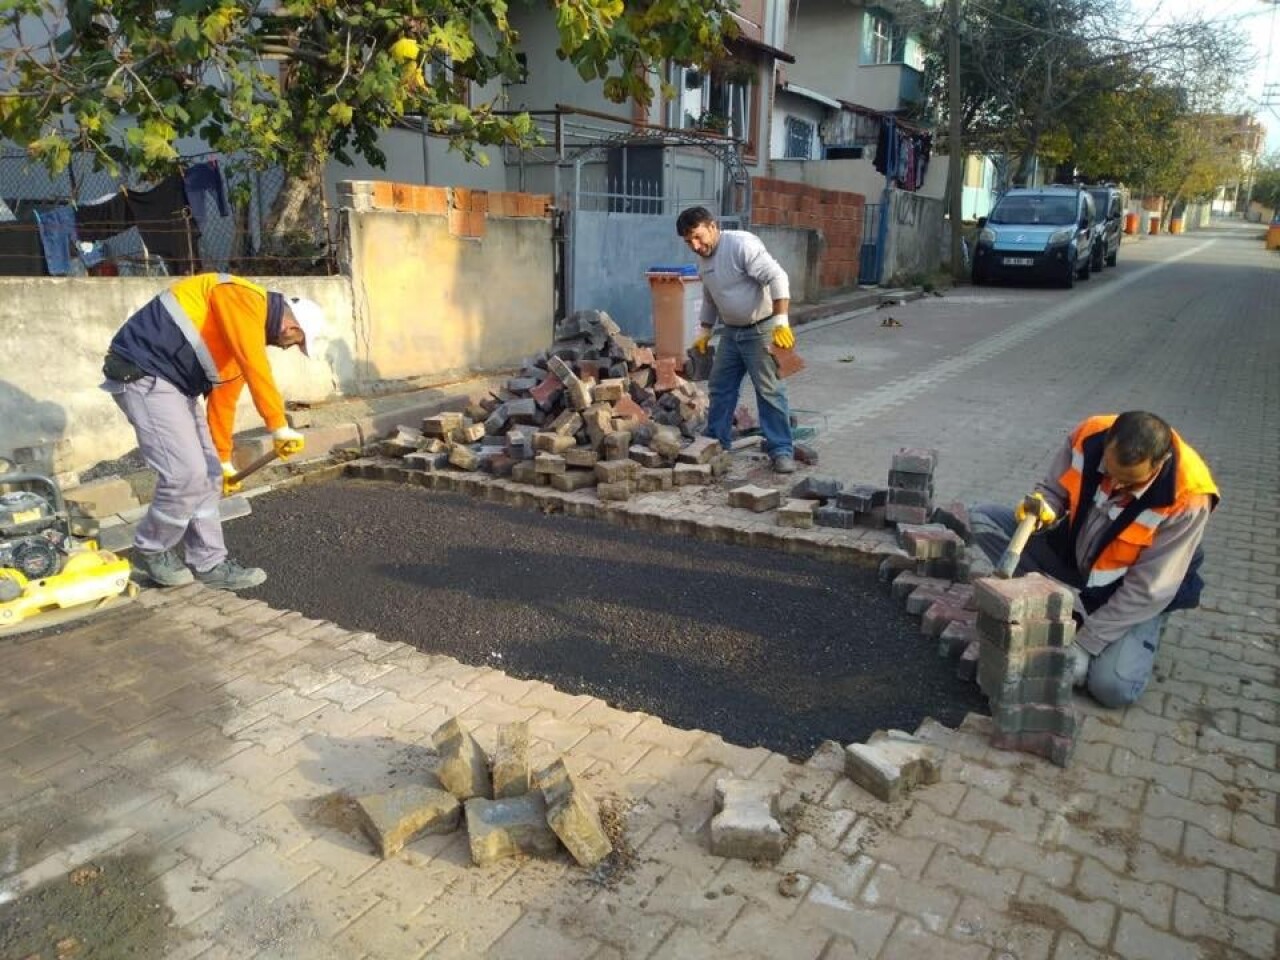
(508, 809)
(596, 409)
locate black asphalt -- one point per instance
(759, 646)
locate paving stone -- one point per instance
(442, 425)
(835, 517)
(463, 457)
(616, 445)
(655, 480)
(922, 598)
(615, 492)
(574, 815)
(511, 772)
(1017, 600)
(101, 498)
(862, 498)
(691, 474)
(700, 451)
(955, 638)
(902, 513)
(399, 816)
(616, 471)
(548, 463)
(941, 614)
(755, 499)
(572, 480)
(646, 457)
(464, 768)
(513, 826)
(891, 763)
(955, 517)
(580, 457)
(817, 488)
(906, 583)
(967, 665)
(553, 443)
(918, 460)
(745, 825)
(926, 543)
(467, 433)
(797, 514)
(1027, 635)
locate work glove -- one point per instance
(287, 441)
(1080, 661)
(704, 338)
(1035, 505)
(229, 471)
(782, 335)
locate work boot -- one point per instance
(784, 463)
(163, 569)
(230, 575)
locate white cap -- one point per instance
(310, 317)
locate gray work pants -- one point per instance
(173, 438)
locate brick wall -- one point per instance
(466, 209)
(838, 214)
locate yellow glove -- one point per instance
(704, 338)
(229, 471)
(1034, 505)
(287, 441)
(782, 335)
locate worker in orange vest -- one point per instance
(206, 336)
(1130, 501)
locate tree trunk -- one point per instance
(295, 238)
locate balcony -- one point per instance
(887, 86)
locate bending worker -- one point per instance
(206, 336)
(1121, 512)
(747, 289)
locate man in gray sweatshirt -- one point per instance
(748, 291)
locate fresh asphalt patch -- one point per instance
(759, 646)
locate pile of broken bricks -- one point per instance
(595, 409)
(509, 810)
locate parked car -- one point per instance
(1040, 233)
(1109, 227)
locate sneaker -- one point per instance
(229, 575)
(784, 463)
(163, 569)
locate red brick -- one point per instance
(383, 198)
(480, 201)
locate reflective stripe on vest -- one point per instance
(1113, 562)
(190, 334)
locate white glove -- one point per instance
(1080, 660)
(287, 441)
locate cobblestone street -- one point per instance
(175, 774)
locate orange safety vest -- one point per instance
(1183, 482)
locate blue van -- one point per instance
(1037, 233)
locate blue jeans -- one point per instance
(744, 351)
(1117, 676)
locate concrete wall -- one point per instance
(799, 251)
(611, 252)
(54, 333)
(915, 235)
(447, 281)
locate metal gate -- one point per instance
(620, 216)
(870, 259)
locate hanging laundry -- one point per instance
(161, 215)
(207, 191)
(57, 235)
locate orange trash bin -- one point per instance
(1130, 223)
(1175, 225)
(677, 303)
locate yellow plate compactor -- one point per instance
(48, 575)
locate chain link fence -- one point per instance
(86, 221)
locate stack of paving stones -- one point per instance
(910, 497)
(509, 810)
(1025, 633)
(827, 502)
(594, 410)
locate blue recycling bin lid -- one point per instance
(679, 270)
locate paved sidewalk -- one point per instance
(184, 762)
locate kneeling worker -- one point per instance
(206, 336)
(1122, 510)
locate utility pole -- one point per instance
(955, 146)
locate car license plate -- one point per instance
(26, 516)
(1019, 261)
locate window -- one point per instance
(799, 139)
(439, 70)
(879, 38)
(722, 101)
(885, 42)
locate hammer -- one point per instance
(254, 467)
(1035, 514)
